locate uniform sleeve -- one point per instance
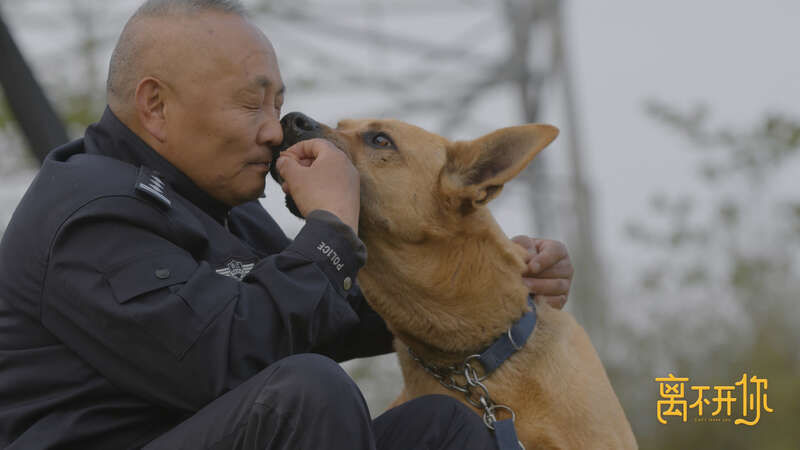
(370, 337)
(123, 293)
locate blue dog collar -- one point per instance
(491, 358)
(508, 344)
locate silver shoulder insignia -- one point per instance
(150, 184)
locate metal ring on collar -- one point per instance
(468, 365)
(507, 408)
(489, 412)
(513, 344)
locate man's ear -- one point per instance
(476, 170)
(151, 108)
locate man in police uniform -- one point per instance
(148, 300)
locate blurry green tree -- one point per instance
(734, 245)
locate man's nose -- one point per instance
(271, 133)
(298, 127)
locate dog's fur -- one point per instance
(448, 281)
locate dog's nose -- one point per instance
(296, 127)
(299, 124)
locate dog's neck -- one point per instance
(447, 297)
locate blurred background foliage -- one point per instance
(739, 249)
(718, 293)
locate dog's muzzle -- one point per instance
(296, 127)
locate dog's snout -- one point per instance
(296, 127)
(299, 123)
(302, 123)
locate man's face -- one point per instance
(224, 108)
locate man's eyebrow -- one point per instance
(264, 82)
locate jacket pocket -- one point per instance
(149, 274)
(147, 291)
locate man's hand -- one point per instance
(320, 176)
(549, 272)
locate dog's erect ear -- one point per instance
(476, 170)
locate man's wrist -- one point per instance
(336, 216)
(340, 225)
(334, 246)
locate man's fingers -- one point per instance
(557, 301)
(308, 149)
(549, 271)
(561, 269)
(286, 165)
(550, 252)
(320, 176)
(525, 242)
(301, 154)
(558, 286)
(311, 149)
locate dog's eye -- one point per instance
(380, 140)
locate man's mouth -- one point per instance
(262, 164)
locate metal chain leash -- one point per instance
(476, 393)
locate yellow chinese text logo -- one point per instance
(747, 396)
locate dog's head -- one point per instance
(415, 183)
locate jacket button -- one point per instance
(348, 283)
(162, 274)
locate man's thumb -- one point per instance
(285, 166)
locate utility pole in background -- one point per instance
(523, 18)
(590, 286)
(546, 17)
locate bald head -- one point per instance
(154, 36)
(200, 84)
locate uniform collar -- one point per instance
(110, 137)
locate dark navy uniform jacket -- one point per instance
(129, 298)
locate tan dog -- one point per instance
(448, 281)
